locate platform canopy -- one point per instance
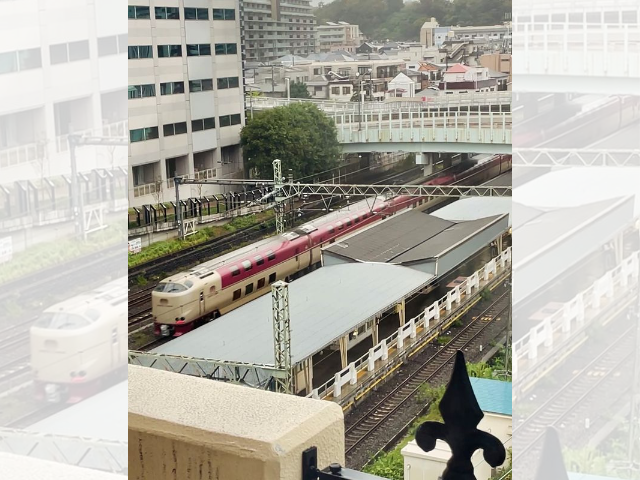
(101, 417)
(552, 242)
(324, 305)
(418, 240)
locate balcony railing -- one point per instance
(142, 190)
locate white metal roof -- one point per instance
(571, 187)
(324, 305)
(474, 208)
(101, 417)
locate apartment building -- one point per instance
(61, 71)
(186, 101)
(339, 36)
(274, 28)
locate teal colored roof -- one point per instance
(494, 396)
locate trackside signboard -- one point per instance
(135, 245)
(6, 249)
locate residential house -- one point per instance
(330, 87)
(500, 62)
(494, 399)
(463, 79)
(402, 85)
(427, 33)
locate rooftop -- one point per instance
(407, 237)
(474, 208)
(351, 295)
(101, 417)
(494, 396)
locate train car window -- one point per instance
(247, 265)
(272, 278)
(339, 224)
(188, 283)
(248, 289)
(237, 294)
(212, 290)
(61, 321)
(234, 270)
(166, 287)
(259, 260)
(357, 220)
(261, 283)
(271, 256)
(349, 223)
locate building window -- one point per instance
(174, 129)
(142, 91)
(198, 50)
(107, 46)
(141, 52)
(142, 134)
(20, 60)
(346, 90)
(69, 52)
(138, 13)
(200, 85)
(225, 14)
(229, 120)
(228, 82)
(226, 48)
(167, 13)
(165, 51)
(203, 124)
(171, 88)
(196, 13)
(335, 90)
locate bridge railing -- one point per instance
(573, 316)
(610, 50)
(474, 99)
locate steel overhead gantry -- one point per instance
(283, 191)
(552, 157)
(76, 141)
(75, 451)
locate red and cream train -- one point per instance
(184, 300)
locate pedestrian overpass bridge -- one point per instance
(411, 127)
(587, 47)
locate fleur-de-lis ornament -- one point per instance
(551, 461)
(461, 414)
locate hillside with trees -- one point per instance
(398, 21)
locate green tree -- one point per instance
(299, 90)
(300, 135)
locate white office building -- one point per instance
(62, 70)
(186, 101)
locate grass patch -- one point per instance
(44, 255)
(167, 247)
(444, 339)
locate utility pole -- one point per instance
(77, 208)
(282, 334)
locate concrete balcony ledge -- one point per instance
(18, 467)
(187, 427)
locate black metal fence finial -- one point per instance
(461, 414)
(551, 461)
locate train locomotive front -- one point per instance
(78, 346)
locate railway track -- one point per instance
(569, 399)
(433, 369)
(35, 416)
(211, 248)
